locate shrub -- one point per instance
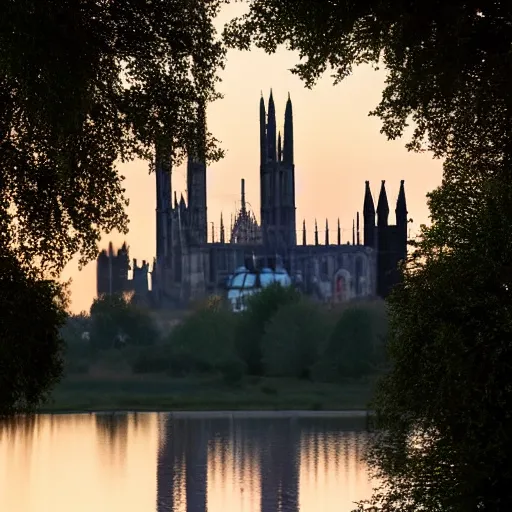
(293, 338)
(261, 307)
(203, 342)
(115, 320)
(355, 347)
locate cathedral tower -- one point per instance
(196, 184)
(277, 180)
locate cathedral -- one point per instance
(188, 267)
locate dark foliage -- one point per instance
(116, 321)
(30, 344)
(261, 307)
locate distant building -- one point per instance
(187, 267)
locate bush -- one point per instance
(152, 360)
(355, 347)
(116, 321)
(261, 307)
(293, 338)
(203, 342)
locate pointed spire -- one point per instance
(182, 202)
(263, 131)
(175, 200)
(279, 151)
(339, 232)
(401, 206)
(382, 206)
(271, 129)
(213, 233)
(222, 238)
(242, 196)
(304, 240)
(327, 232)
(368, 206)
(288, 133)
(316, 233)
(353, 232)
(358, 239)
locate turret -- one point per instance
(326, 232)
(353, 232)
(382, 206)
(339, 232)
(368, 217)
(316, 233)
(304, 240)
(279, 150)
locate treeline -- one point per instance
(281, 334)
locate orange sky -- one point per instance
(337, 148)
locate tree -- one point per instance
(204, 341)
(261, 307)
(293, 338)
(443, 410)
(31, 348)
(449, 65)
(84, 85)
(355, 345)
(116, 321)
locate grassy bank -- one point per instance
(161, 393)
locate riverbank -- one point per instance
(83, 393)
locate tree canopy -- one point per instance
(449, 65)
(84, 85)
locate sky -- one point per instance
(337, 148)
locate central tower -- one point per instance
(277, 179)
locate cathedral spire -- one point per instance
(263, 132)
(279, 151)
(339, 232)
(368, 217)
(304, 240)
(271, 129)
(358, 239)
(222, 238)
(242, 196)
(213, 233)
(401, 206)
(382, 206)
(288, 133)
(326, 232)
(316, 233)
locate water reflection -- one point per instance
(254, 464)
(158, 462)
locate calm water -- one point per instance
(181, 463)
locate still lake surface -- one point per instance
(149, 462)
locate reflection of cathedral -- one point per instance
(189, 267)
(260, 464)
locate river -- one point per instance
(149, 462)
